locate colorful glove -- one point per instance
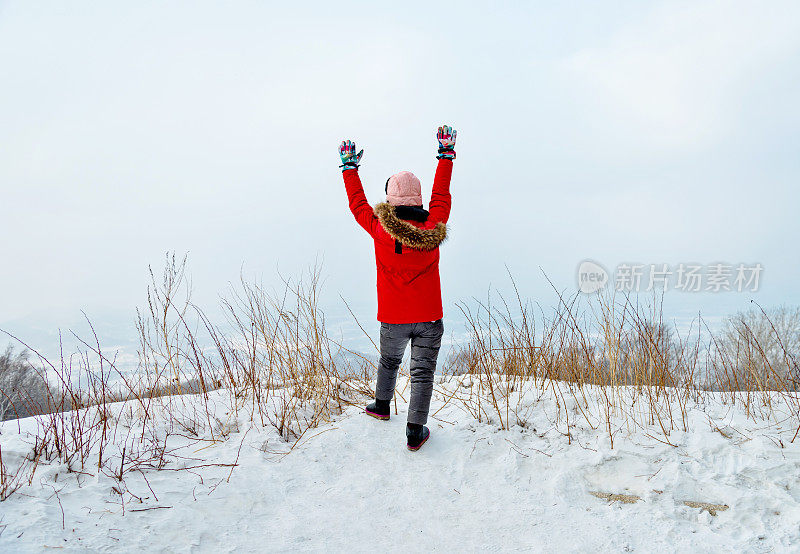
(347, 152)
(447, 143)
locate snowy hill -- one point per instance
(351, 485)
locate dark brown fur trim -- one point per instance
(408, 234)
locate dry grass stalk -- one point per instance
(610, 364)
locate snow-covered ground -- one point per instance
(351, 485)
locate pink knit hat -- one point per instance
(404, 189)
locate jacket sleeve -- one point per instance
(439, 207)
(362, 211)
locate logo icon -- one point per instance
(592, 277)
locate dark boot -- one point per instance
(378, 409)
(416, 435)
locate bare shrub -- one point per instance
(612, 362)
(272, 362)
(760, 349)
(24, 391)
(273, 354)
(284, 360)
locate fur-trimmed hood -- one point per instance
(406, 233)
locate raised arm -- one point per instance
(439, 207)
(361, 209)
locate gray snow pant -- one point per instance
(426, 338)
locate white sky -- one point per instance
(648, 132)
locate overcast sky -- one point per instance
(661, 132)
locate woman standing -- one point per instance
(407, 239)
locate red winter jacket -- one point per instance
(406, 252)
